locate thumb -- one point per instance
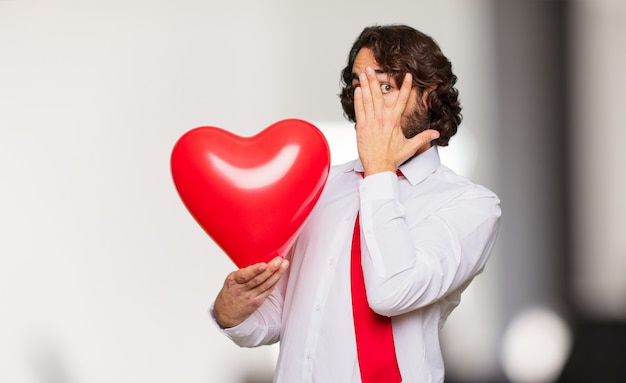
(422, 140)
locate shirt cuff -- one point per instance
(379, 186)
(242, 330)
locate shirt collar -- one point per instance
(416, 169)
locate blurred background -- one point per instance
(105, 277)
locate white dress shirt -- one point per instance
(424, 236)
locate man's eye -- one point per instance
(386, 88)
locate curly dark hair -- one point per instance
(399, 49)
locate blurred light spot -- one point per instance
(535, 346)
(341, 140)
(462, 153)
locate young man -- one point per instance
(385, 255)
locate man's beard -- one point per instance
(415, 123)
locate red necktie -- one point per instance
(374, 336)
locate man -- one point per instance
(421, 234)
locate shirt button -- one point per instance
(308, 355)
(331, 261)
(317, 307)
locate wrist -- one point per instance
(223, 318)
(369, 171)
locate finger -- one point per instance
(262, 277)
(366, 96)
(275, 265)
(359, 110)
(272, 280)
(404, 95)
(245, 275)
(374, 89)
(424, 138)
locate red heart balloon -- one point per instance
(252, 194)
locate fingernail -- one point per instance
(278, 261)
(434, 136)
(369, 70)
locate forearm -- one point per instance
(412, 259)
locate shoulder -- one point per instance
(447, 179)
(445, 190)
(336, 171)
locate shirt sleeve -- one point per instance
(416, 253)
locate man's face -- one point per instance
(414, 118)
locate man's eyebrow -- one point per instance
(355, 76)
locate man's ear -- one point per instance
(426, 98)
